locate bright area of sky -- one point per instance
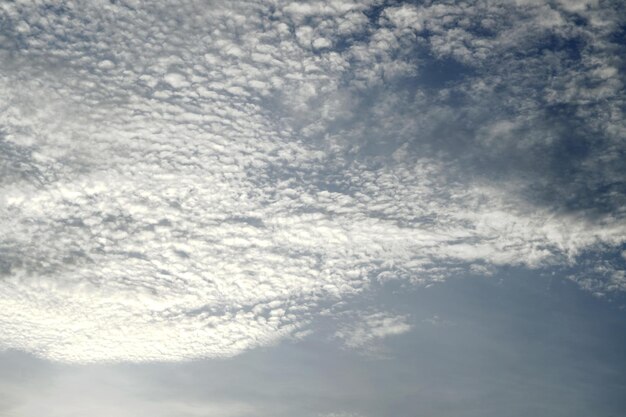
(325, 208)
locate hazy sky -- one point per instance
(316, 209)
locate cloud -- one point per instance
(367, 332)
(184, 182)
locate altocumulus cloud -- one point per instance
(193, 179)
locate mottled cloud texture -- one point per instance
(192, 179)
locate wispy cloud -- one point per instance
(366, 333)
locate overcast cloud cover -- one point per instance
(196, 180)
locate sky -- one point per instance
(326, 208)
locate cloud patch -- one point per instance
(367, 332)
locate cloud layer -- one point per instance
(192, 180)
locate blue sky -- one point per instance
(328, 208)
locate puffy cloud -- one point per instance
(181, 181)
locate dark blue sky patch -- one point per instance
(436, 73)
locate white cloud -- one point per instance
(180, 182)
